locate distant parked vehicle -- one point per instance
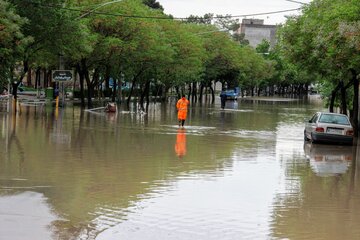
(329, 127)
(232, 94)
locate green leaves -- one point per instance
(12, 41)
(131, 37)
(324, 40)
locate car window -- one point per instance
(335, 119)
(314, 118)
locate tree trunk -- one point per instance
(164, 92)
(37, 78)
(178, 94)
(147, 97)
(201, 92)
(25, 70)
(130, 93)
(107, 80)
(28, 77)
(306, 88)
(144, 94)
(194, 92)
(212, 94)
(355, 120)
(333, 96)
(343, 98)
(119, 95)
(81, 81)
(48, 78)
(332, 101)
(89, 89)
(113, 98)
(190, 91)
(132, 87)
(206, 93)
(45, 82)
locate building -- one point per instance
(255, 31)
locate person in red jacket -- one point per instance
(182, 107)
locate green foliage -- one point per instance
(263, 47)
(206, 19)
(12, 41)
(153, 4)
(324, 41)
(226, 22)
(134, 39)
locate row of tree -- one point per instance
(134, 41)
(323, 46)
(131, 40)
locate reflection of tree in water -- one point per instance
(106, 169)
(123, 176)
(63, 229)
(316, 207)
(15, 142)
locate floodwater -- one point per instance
(241, 173)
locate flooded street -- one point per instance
(241, 173)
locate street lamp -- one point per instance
(92, 10)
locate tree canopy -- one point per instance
(131, 41)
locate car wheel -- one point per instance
(305, 137)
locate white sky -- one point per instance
(184, 8)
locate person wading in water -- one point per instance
(182, 106)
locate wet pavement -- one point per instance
(239, 173)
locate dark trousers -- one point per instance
(223, 101)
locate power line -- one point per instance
(302, 3)
(161, 18)
(266, 13)
(187, 18)
(99, 6)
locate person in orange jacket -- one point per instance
(182, 107)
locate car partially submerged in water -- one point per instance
(329, 127)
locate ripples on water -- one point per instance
(242, 173)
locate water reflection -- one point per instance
(180, 145)
(243, 173)
(328, 160)
(23, 213)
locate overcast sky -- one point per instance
(184, 8)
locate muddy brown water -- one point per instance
(241, 173)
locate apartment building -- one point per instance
(255, 31)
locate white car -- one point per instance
(329, 127)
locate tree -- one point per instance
(153, 4)
(206, 19)
(325, 40)
(12, 41)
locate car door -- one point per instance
(311, 125)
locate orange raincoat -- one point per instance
(182, 107)
(180, 145)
